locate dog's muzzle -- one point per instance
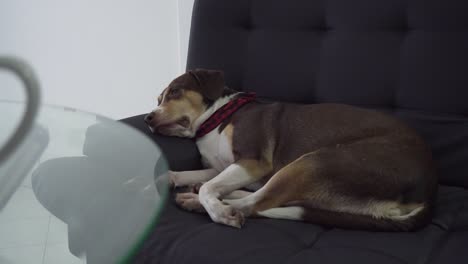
(149, 117)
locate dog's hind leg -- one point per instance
(191, 202)
(346, 183)
(287, 185)
(288, 213)
(237, 194)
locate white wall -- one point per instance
(111, 57)
(185, 17)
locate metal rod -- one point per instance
(31, 85)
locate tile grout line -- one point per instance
(15, 246)
(47, 239)
(29, 175)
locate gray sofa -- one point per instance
(408, 58)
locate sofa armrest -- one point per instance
(181, 154)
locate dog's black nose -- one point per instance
(149, 117)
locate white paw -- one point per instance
(230, 216)
(173, 179)
(189, 202)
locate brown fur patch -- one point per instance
(189, 104)
(196, 101)
(229, 132)
(255, 168)
(297, 177)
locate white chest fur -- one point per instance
(216, 150)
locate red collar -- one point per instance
(223, 113)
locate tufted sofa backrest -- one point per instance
(405, 57)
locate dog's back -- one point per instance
(364, 166)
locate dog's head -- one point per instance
(185, 99)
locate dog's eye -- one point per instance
(174, 92)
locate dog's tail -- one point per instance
(365, 222)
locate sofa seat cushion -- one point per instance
(182, 237)
(104, 144)
(399, 55)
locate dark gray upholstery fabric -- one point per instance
(181, 154)
(397, 55)
(181, 237)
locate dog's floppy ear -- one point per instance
(211, 82)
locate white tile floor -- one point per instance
(29, 234)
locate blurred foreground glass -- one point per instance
(109, 193)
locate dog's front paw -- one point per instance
(173, 181)
(230, 216)
(189, 201)
(195, 188)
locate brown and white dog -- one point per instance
(330, 164)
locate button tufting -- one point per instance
(404, 27)
(247, 26)
(401, 24)
(322, 26)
